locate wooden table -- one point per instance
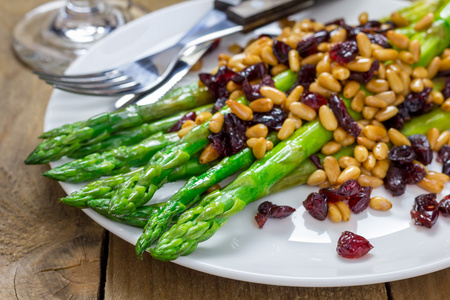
(49, 250)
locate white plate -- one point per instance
(297, 251)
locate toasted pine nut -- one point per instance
(431, 185)
(324, 47)
(363, 18)
(294, 96)
(344, 209)
(368, 180)
(188, 123)
(351, 88)
(381, 72)
(404, 66)
(394, 80)
(334, 213)
(425, 22)
(416, 85)
(369, 112)
(438, 176)
(374, 133)
(433, 67)
(201, 118)
(414, 48)
(216, 123)
(442, 140)
(420, 72)
(377, 85)
(347, 161)
(399, 20)
(242, 111)
(236, 94)
(432, 136)
(231, 86)
(294, 60)
(185, 130)
(427, 83)
(380, 203)
(399, 99)
(386, 113)
(329, 82)
(260, 147)
(446, 105)
(339, 134)
(351, 172)
(325, 184)
(330, 148)
(388, 97)
(363, 141)
(213, 188)
(317, 88)
(277, 96)
(340, 72)
(268, 57)
(278, 69)
(385, 54)
(381, 151)
(303, 111)
(445, 53)
(287, 129)
(208, 155)
(437, 97)
(406, 57)
(397, 138)
(370, 162)
(360, 64)
(349, 140)
(327, 118)
(338, 35)
(323, 65)
(261, 105)
(257, 131)
(331, 168)
(297, 120)
(251, 142)
(381, 168)
(399, 40)
(374, 101)
(406, 83)
(312, 59)
(360, 153)
(364, 44)
(269, 145)
(251, 59)
(317, 177)
(357, 103)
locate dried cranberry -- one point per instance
(446, 90)
(232, 138)
(313, 100)
(444, 206)
(273, 119)
(402, 154)
(443, 153)
(416, 103)
(219, 104)
(344, 52)
(269, 210)
(213, 46)
(264, 208)
(360, 201)
(446, 168)
(344, 119)
(425, 210)
(365, 77)
(250, 73)
(347, 190)
(251, 91)
(281, 50)
(379, 39)
(280, 211)
(414, 173)
(351, 245)
(261, 219)
(217, 83)
(394, 180)
(316, 161)
(309, 45)
(189, 116)
(306, 76)
(317, 206)
(422, 148)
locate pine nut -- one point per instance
(344, 210)
(446, 105)
(438, 176)
(399, 40)
(201, 118)
(385, 54)
(317, 88)
(399, 20)
(339, 134)
(268, 57)
(325, 184)
(294, 96)
(357, 103)
(406, 57)
(242, 111)
(364, 45)
(425, 22)
(437, 97)
(294, 60)
(287, 129)
(406, 83)
(297, 121)
(331, 168)
(216, 123)
(278, 69)
(431, 185)
(380, 203)
(257, 131)
(427, 83)
(327, 118)
(388, 97)
(316, 178)
(347, 161)
(236, 94)
(395, 82)
(269, 146)
(432, 136)
(363, 18)
(374, 133)
(416, 85)
(377, 85)
(231, 86)
(303, 111)
(331, 148)
(363, 141)
(381, 168)
(445, 53)
(360, 64)
(334, 213)
(329, 82)
(323, 65)
(324, 47)
(433, 67)
(404, 66)
(223, 56)
(442, 140)
(312, 59)
(251, 142)
(381, 151)
(369, 112)
(261, 105)
(351, 172)
(420, 72)
(368, 180)
(350, 89)
(208, 155)
(340, 73)
(251, 59)
(397, 138)
(361, 153)
(277, 96)
(375, 102)
(399, 99)
(259, 149)
(338, 35)
(414, 48)
(188, 123)
(213, 188)
(183, 131)
(386, 113)
(370, 162)
(381, 72)
(349, 140)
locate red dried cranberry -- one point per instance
(425, 211)
(317, 206)
(250, 73)
(264, 208)
(360, 201)
(281, 50)
(416, 103)
(365, 77)
(231, 139)
(309, 45)
(422, 148)
(344, 52)
(251, 91)
(273, 119)
(305, 77)
(446, 90)
(313, 100)
(344, 119)
(443, 153)
(189, 116)
(394, 180)
(379, 39)
(348, 189)
(219, 104)
(414, 173)
(269, 210)
(217, 83)
(444, 206)
(280, 211)
(446, 168)
(213, 46)
(261, 219)
(351, 245)
(316, 161)
(402, 154)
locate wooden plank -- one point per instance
(128, 277)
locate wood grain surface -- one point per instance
(50, 251)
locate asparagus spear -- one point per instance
(68, 138)
(138, 189)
